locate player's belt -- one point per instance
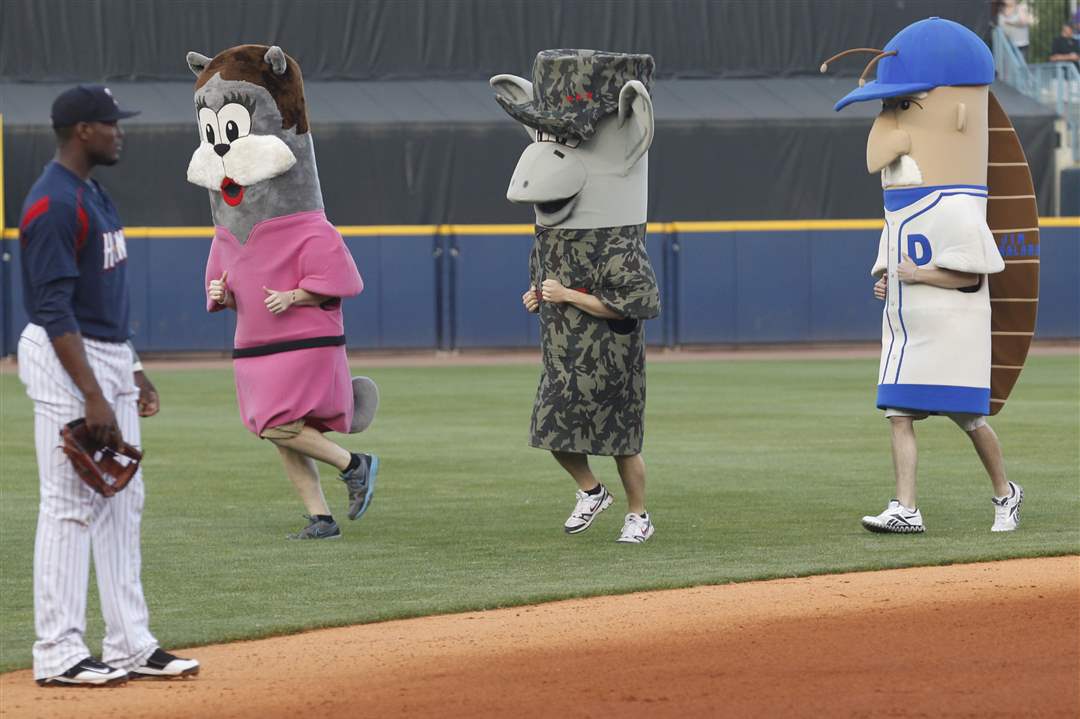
(275, 347)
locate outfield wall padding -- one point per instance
(460, 290)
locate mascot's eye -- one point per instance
(905, 104)
(235, 121)
(208, 124)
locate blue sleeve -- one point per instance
(48, 245)
(55, 303)
(51, 268)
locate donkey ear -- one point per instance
(197, 62)
(275, 58)
(515, 90)
(636, 121)
(512, 88)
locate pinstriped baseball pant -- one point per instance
(74, 521)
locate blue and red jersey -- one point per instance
(74, 258)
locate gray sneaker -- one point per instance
(361, 484)
(317, 529)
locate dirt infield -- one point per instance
(991, 639)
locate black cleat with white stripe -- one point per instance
(162, 665)
(87, 673)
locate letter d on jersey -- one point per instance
(918, 249)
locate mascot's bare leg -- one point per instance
(989, 450)
(299, 444)
(312, 443)
(905, 453)
(632, 473)
(577, 466)
(304, 475)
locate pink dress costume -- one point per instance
(292, 365)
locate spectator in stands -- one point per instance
(1015, 19)
(1066, 48)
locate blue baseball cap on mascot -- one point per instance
(927, 54)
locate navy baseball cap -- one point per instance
(930, 53)
(87, 103)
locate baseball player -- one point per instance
(930, 145)
(75, 360)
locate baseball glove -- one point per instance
(107, 470)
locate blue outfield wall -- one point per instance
(439, 288)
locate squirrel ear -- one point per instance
(197, 62)
(275, 58)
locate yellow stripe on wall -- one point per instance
(448, 230)
(1060, 222)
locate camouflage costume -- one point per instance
(591, 398)
(574, 89)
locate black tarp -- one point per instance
(434, 152)
(71, 40)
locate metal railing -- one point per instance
(1059, 83)
(1055, 84)
(1010, 66)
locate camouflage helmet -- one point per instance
(574, 89)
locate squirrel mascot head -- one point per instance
(590, 117)
(255, 153)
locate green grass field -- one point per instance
(757, 469)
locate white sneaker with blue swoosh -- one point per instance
(896, 519)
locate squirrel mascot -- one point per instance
(284, 269)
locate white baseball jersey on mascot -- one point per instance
(936, 342)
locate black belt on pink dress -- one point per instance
(276, 347)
